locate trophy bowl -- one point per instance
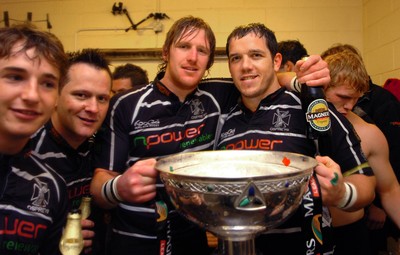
(236, 194)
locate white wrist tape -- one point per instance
(109, 191)
(349, 198)
(295, 85)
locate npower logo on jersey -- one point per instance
(169, 137)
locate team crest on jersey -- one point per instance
(40, 197)
(281, 120)
(41, 194)
(197, 108)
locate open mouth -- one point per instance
(251, 77)
(191, 69)
(87, 120)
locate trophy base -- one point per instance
(227, 247)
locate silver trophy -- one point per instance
(236, 194)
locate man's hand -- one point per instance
(88, 234)
(138, 183)
(330, 180)
(313, 71)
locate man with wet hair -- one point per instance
(253, 60)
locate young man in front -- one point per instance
(33, 199)
(253, 62)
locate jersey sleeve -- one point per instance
(112, 140)
(346, 146)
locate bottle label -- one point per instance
(318, 115)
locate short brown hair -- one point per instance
(259, 30)
(46, 44)
(345, 66)
(89, 56)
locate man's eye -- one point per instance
(103, 99)
(203, 51)
(50, 85)
(14, 77)
(81, 95)
(234, 59)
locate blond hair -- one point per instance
(347, 67)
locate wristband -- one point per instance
(109, 191)
(349, 198)
(295, 85)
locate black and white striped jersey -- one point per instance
(74, 165)
(152, 122)
(33, 205)
(279, 124)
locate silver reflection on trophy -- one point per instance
(236, 195)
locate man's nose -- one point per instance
(192, 54)
(92, 105)
(31, 91)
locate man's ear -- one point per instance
(277, 61)
(164, 55)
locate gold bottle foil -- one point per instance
(85, 207)
(72, 241)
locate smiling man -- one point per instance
(32, 195)
(65, 143)
(29, 79)
(269, 117)
(169, 115)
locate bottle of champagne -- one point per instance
(71, 242)
(318, 118)
(85, 207)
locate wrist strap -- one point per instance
(349, 198)
(109, 191)
(295, 85)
